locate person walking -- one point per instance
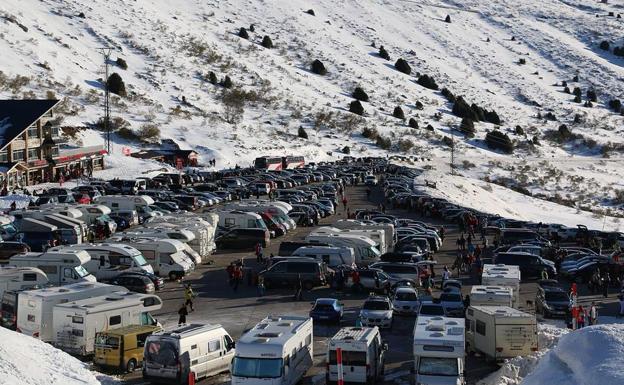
(188, 296)
(298, 288)
(340, 280)
(238, 276)
(446, 274)
(344, 203)
(182, 313)
(442, 233)
(230, 273)
(258, 252)
(593, 314)
(261, 286)
(428, 284)
(606, 281)
(580, 317)
(355, 277)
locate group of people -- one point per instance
(585, 316)
(469, 254)
(235, 274)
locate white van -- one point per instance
(34, 307)
(277, 351)
(202, 349)
(491, 296)
(388, 228)
(500, 332)
(332, 256)
(108, 260)
(365, 251)
(61, 266)
(19, 278)
(76, 323)
(378, 236)
(230, 219)
(363, 355)
(439, 356)
(503, 275)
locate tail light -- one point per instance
(499, 350)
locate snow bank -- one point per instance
(28, 361)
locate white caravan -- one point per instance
(500, 332)
(491, 296)
(34, 307)
(363, 355)
(203, 231)
(108, 260)
(378, 236)
(61, 266)
(171, 355)
(365, 251)
(76, 323)
(503, 275)
(439, 356)
(330, 255)
(19, 278)
(277, 351)
(231, 219)
(388, 228)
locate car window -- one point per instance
(376, 305)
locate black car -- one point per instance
(530, 265)
(243, 239)
(134, 282)
(285, 273)
(159, 283)
(552, 302)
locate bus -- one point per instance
(268, 163)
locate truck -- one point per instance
(365, 251)
(76, 323)
(61, 266)
(277, 351)
(503, 275)
(491, 296)
(500, 332)
(18, 278)
(439, 355)
(363, 355)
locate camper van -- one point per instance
(34, 307)
(363, 355)
(122, 348)
(75, 323)
(202, 349)
(331, 256)
(70, 231)
(388, 228)
(277, 351)
(503, 275)
(110, 259)
(365, 251)
(38, 235)
(229, 219)
(439, 356)
(491, 296)
(18, 278)
(377, 236)
(61, 266)
(139, 203)
(500, 332)
(203, 232)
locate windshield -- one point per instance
(161, 352)
(431, 310)
(433, 366)
(406, 296)
(139, 260)
(447, 297)
(257, 367)
(104, 218)
(376, 305)
(557, 296)
(82, 272)
(9, 229)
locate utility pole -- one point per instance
(106, 51)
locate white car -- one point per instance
(405, 301)
(370, 180)
(376, 311)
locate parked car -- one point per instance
(159, 282)
(134, 282)
(326, 309)
(451, 301)
(552, 302)
(405, 301)
(376, 311)
(243, 239)
(10, 248)
(286, 273)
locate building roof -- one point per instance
(17, 115)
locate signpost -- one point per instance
(339, 366)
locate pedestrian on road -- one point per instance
(428, 284)
(593, 314)
(298, 288)
(182, 313)
(238, 276)
(258, 252)
(355, 277)
(230, 273)
(461, 242)
(340, 280)
(580, 318)
(442, 232)
(344, 203)
(260, 286)
(348, 214)
(446, 274)
(188, 296)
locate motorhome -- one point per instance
(110, 259)
(365, 251)
(503, 275)
(274, 210)
(201, 349)
(167, 257)
(331, 256)
(230, 219)
(38, 235)
(500, 332)
(70, 231)
(277, 351)
(75, 323)
(377, 236)
(439, 355)
(18, 278)
(61, 266)
(34, 307)
(139, 203)
(363, 355)
(491, 296)
(388, 228)
(203, 231)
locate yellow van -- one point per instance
(122, 348)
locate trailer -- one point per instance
(503, 275)
(491, 296)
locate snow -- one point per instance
(28, 361)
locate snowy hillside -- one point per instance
(505, 56)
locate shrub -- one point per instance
(149, 133)
(405, 145)
(413, 123)
(615, 105)
(267, 42)
(566, 89)
(448, 19)
(398, 113)
(429, 127)
(346, 150)
(234, 102)
(310, 12)
(360, 94)
(492, 117)
(116, 85)
(419, 105)
(575, 78)
(318, 67)
(370, 133)
(467, 127)
(227, 82)
(522, 61)
(427, 82)
(356, 107)
(448, 95)
(478, 111)
(383, 53)
(519, 130)
(499, 141)
(564, 131)
(302, 133)
(448, 141)
(212, 78)
(121, 63)
(252, 28)
(588, 104)
(402, 66)
(384, 143)
(604, 45)
(550, 116)
(50, 95)
(577, 99)
(591, 95)
(243, 33)
(462, 109)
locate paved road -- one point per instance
(241, 310)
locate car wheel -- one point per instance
(131, 366)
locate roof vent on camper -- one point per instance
(501, 311)
(275, 319)
(348, 338)
(455, 331)
(436, 334)
(437, 318)
(268, 335)
(435, 327)
(63, 290)
(285, 324)
(112, 299)
(452, 323)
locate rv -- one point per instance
(331, 256)
(69, 231)
(377, 236)
(277, 351)
(75, 323)
(491, 296)
(388, 228)
(110, 259)
(36, 234)
(365, 251)
(34, 307)
(203, 350)
(229, 219)
(204, 232)
(139, 203)
(19, 278)
(61, 266)
(503, 275)
(439, 356)
(363, 355)
(500, 332)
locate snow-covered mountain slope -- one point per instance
(170, 48)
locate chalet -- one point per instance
(31, 149)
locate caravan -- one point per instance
(491, 296)
(363, 355)
(503, 275)
(138, 203)
(365, 251)
(19, 278)
(231, 219)
(277, 351)
(203, 350)
(76, 323)
(61, 266)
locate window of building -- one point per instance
(18, 155)
(33, 132)
(33, 154)
(4, 157)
